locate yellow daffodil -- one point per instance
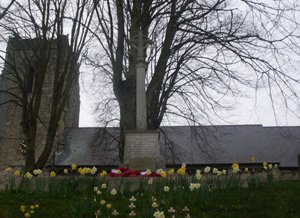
(52, 174)
(74, 166)
(171, 172)
(32, 212)
(181, 171)
(32, 207)
(235, 167)
(103, 173)
(108, 206)
(17, 173)
(102, 202)
(23, 208)
(26, 215)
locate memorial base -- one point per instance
(142, 150)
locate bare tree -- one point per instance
(5, 9)
(202, 52)
(40, 27)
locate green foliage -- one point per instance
(225, 196)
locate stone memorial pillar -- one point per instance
(142, 150)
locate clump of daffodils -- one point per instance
(162, 173)
(235, 168)
(28, 175)
(265, 165)
(87, 170)
(198, 174)
(194, 186)
(29, 210)
(37, 172)
(182, 169)
(159, 214)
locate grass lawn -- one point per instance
(78, 197)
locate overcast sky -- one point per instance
(254, 109)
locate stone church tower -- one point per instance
(11, 134)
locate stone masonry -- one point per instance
(11, 134)
(142, 150)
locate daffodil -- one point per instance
(28, 175)
(150, 181)
(74, 166)
(17, 173)
(154, 205)
(26, 215)
(207, 169)
(113, 192)
(115, 213)
(215, 170)
(32, 212)
(103, 173)
(66, 171)
(103, 186)
(224, 172)
(132, 214)
(159, 214)
(96, 189)
(246, 170)
(181, 171)
(132, 199)
(32, 207)
(171, 172)
(185, 209)
(171, 210)
(131, 206)
(270, 166)
(93, 170)
(166, 188)
(8, 169)
(37, 172)
(108, 206)
(23, 208)
(52, 174)
(235, 167)
(37, 206)
(102, 202)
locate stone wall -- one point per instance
(10, 119)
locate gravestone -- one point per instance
(142, 150)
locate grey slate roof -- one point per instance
(190, 145)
